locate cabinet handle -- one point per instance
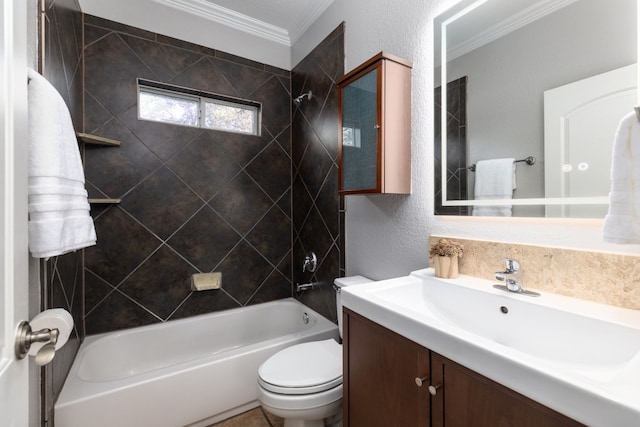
(420, 381)
(376, 126)
(433, 389)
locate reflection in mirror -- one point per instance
(521, 78)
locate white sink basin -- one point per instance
(577, 357)
(554, 328)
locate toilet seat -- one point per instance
(307, 368)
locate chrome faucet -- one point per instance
(511, 277)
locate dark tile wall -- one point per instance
(193, 200)
(456, 148)
(61, 277)
(318, 210)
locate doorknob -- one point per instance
(53, 329)
(25, 337)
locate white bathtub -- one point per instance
(188, 372)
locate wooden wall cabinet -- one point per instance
(391, 381)
(375, 127)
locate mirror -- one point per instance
(543, 80)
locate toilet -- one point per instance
(303, 383)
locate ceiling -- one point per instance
(282, 21)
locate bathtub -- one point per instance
(189, 372)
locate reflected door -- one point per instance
(580, 120)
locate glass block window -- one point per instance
(182, 106)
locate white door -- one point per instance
(14, 388)
(580, 120)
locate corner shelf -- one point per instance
(97, 140)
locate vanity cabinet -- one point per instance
(381, 370)
(382, 373)
(466, 398)
(375, 127)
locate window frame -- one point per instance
(163, 89)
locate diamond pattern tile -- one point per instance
(164, 140)
(166, 61)
(246, 270)
(162, 203)
(204, 165)
(316, 208)
(114, 171)
(272, 235)
(205, 240)
(111, 69)
(167, 293)
(276, 105)
(166, 174)
(114, 258)
(203, 75)
(272, 170)
(243, 205)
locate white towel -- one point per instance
(59, 220)
(622, 223)
(495, 179)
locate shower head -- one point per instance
(298, 99)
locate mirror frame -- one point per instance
(440, 57)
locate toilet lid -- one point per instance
(305, 368)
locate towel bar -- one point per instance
(529, 160)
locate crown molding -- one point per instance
(519, 20)
(308, 17)
(230, 18)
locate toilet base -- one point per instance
(324, 416)
(290, 422)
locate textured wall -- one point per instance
(318, 215)
(387, 236)
(61, 277)
(193, 200)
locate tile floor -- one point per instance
(255, 418)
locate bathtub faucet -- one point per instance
(310, 262)
(304, 287)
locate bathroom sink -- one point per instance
(578, 357)
(577, 333)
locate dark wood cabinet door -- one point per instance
(380, 371)
(468, 399)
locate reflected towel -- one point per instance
(59, 220)
(622, 223)
(495, 179)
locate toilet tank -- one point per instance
(338, 284)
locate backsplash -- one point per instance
(596, 276)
